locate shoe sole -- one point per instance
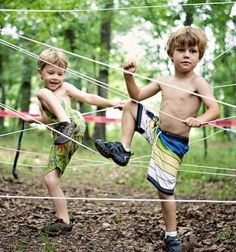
(102, 150)
(118, 162)
(53, 234)
(66, 140)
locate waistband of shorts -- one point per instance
(167, 133)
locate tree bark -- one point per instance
(26, 85)
(100, 129)
(2, 89)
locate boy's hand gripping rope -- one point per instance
(14, 173)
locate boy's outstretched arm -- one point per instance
(212, 107)
(29, 119)
(93, 99)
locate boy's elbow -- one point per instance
(136, 97)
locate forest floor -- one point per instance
(108, 226)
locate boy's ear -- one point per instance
(171, 58)
(40, 73)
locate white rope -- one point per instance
(58, 132)
(116, 199)
(36, 127)
(74, 72)
(96, 9)
(208, 173)
(214, 125)
(82, 76)
(224, 86)
(135, 74)
(226, 118)
(24, 165)
(210, 167)
(44, 166)
(132, 161)
(17, 131)
(109, 163)
(46, 154)
(204, 138)
(218, 56)
(198, 172)
(190, 165)
(121, 199)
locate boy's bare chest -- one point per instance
(61, 94)
(178, 93)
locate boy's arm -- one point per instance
(29, 119)
(136, 93)
(40, 119)
(212, 107)
(91, 98)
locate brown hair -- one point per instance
(52, 56)
(187, 36)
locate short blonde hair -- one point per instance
(187, 36)
(52, 56)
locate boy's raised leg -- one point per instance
(120, 152)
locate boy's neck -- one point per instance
(183, 75)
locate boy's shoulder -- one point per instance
(199, 80)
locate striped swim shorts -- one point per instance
(167, 151)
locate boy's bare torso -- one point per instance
(178, 104)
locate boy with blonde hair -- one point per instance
(55, 105)
(168, 134)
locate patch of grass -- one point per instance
(47, 244)
(227, 234)
(90, 168)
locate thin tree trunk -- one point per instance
(26, 85)
(2, 91)
(100, 129)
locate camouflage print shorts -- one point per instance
(60, 155)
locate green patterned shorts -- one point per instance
(60, 155)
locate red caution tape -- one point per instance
(88, 118)
(104, 119)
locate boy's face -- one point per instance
(52, 77)
(185, 58)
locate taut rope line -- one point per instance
(117, 199)
(58, 132)
(105, 85)
(132, 161)
(115, 8)
(134, 74)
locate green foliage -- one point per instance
(85, 164)
(79, 33)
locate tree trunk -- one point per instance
(188, 21)
(2, 89)
(100, 129)
(26, 85)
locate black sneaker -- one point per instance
(173, 244)
(56, 228)
(68, 129)
(114, 150)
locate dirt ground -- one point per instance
(109, 226)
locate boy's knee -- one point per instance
(129, 105)
(50, 180)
